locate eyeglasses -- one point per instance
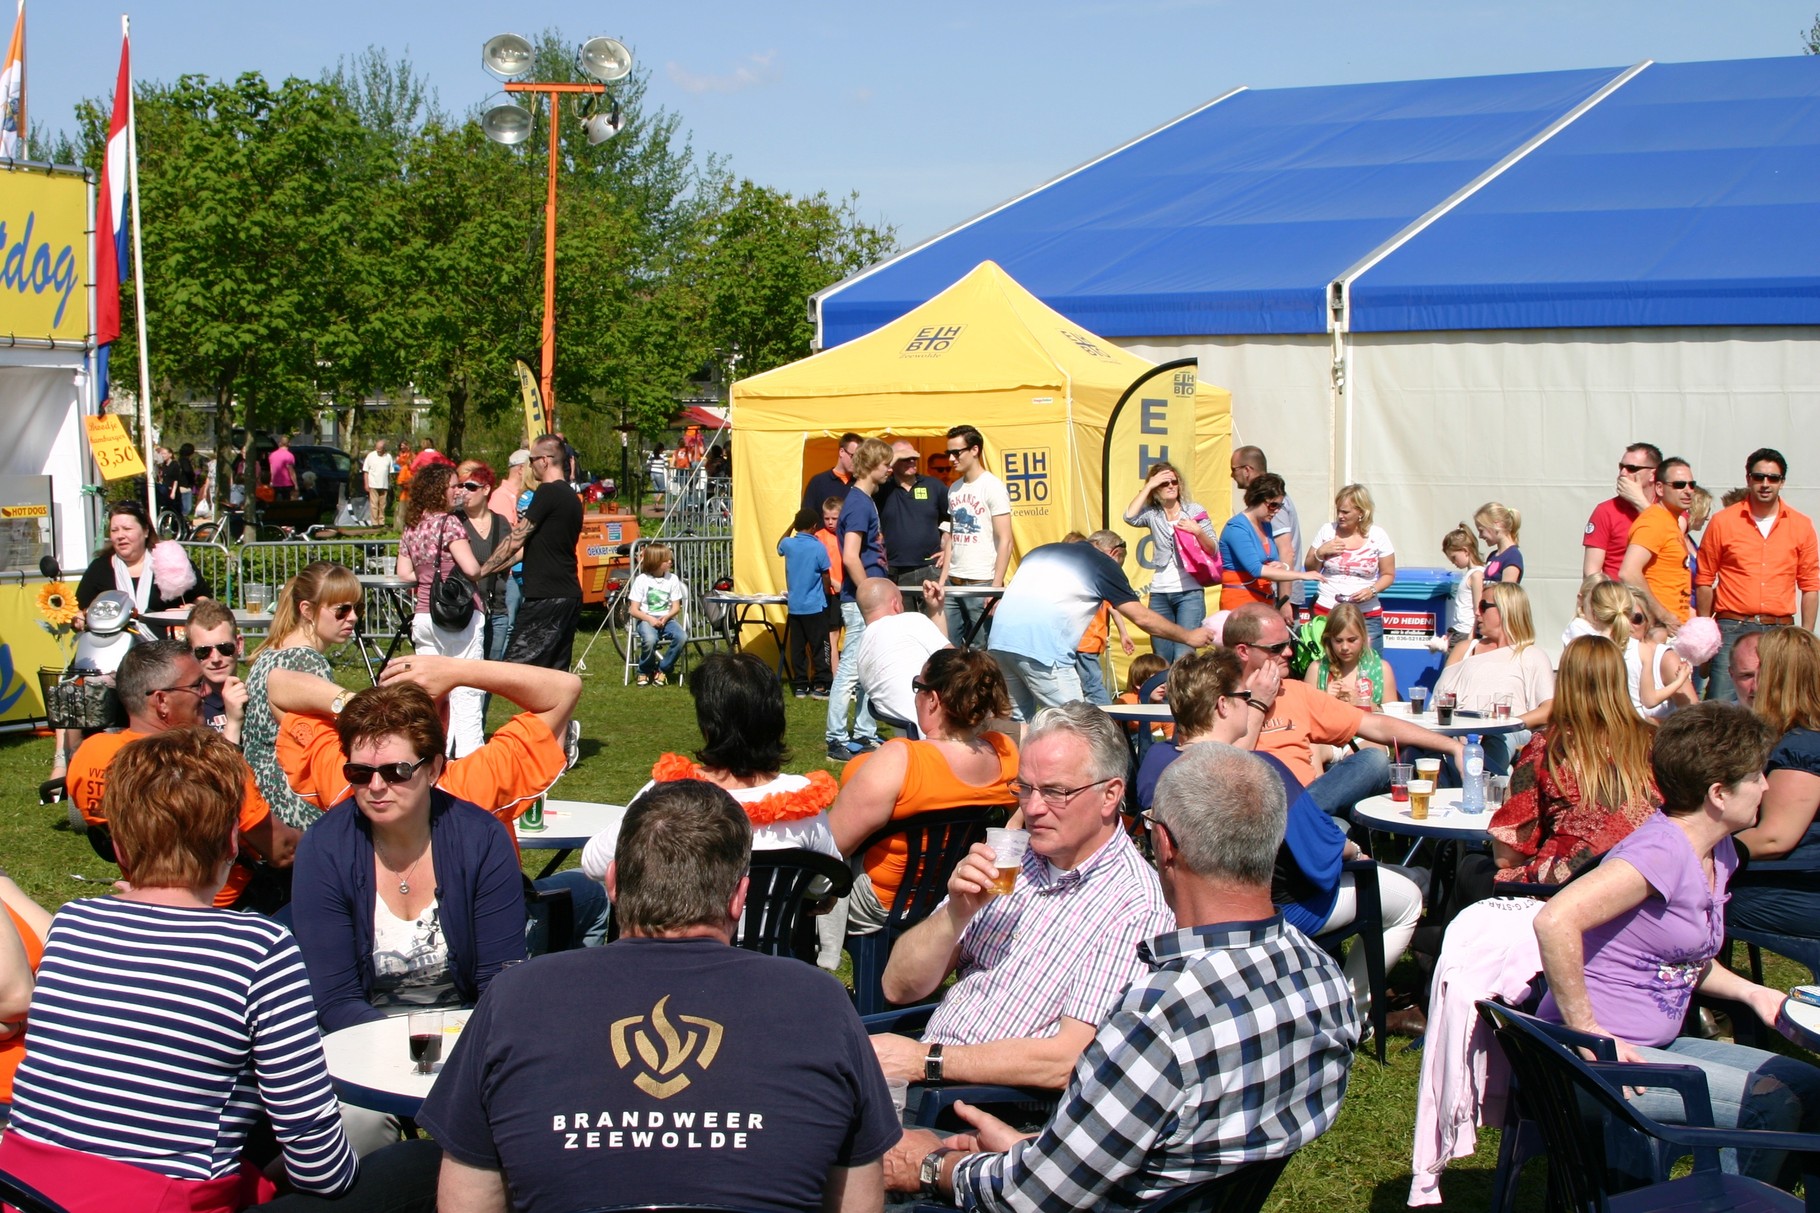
(1765, 478)
(958, 450)
(1681, 484)
(227, 648)
(535, 458)
(1053, 795)
(1278, 649)
(198, 688)
(472, 486)
(1634, 468)
(1149, 819)
(1637, 617)
(359, 774)
(342, 610)
(1274, 506)
(1245, 695)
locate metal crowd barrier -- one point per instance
(701, 560)
(229, 571)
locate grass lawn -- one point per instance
(1362, 1163)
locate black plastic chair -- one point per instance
(786, 886)
(663, 1209)
(20, 1196)
(1804, 950)
(1577, 1104)
(558, 908)
(936, 844)
(1368, 924)
(1242, 1191)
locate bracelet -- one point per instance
(1262, 707)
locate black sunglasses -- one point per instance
(1681, 484)
(227, 648)
(1278, 649)
(472, 486)
(1245, 695)
(917, 684)
(958, 450)
(1765, 478)
(359, 774)
(1488, 605)
(1634, 468)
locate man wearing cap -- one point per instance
(913, 513)
(378, 469)
(504, 500)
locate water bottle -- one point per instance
(1472, 776)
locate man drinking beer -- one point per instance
(1042, 966)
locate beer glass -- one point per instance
(1008, 847)
(1429, 769)
(1420, 790)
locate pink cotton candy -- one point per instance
(1697, 640)
(172, 572)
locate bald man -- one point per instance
(913, 513)
(897, 644)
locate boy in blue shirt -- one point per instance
(809, 586)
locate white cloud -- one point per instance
(756, 70)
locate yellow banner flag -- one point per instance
(535, 424)
(1152, 423)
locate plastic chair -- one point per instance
(663, 1209)
(785, 886)
(1577, 1104)
(1520, 1138)
(936, 842)
(560, 909)
(1368, 924)
(20, 1196)
(1242, 1191)
(1805, 950)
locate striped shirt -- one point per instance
(1234, 1049)
(161, 1033)
(1064, 943)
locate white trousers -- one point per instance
(467, 724)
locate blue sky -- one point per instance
(932, 112)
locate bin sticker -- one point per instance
(1409, 623)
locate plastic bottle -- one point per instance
(1472, 776)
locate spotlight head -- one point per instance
(508, 123)
(604, 124)
(507, 56)
(604, 59)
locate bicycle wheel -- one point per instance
(618, 615)
(172, 526)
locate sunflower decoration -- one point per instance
(57, 603)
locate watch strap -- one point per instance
(932, 1064)
(930, 1173)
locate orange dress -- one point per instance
(929, 786)
(12, 1049)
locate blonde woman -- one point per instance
(1356, 560)
(1497, 526)
(1503, 660)
(1164, 504)
(1788, 701)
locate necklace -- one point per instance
(404, 878)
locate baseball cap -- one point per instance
(519, 458)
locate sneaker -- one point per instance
(572, 747)
(801, 693)
(863, 745)
(644, 680)
(658, 679)
(818, 692)
(838, 751)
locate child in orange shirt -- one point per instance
(1143, 669)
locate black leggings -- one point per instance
(397, 1179)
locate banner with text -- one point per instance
(1153, 422)
(44, 265)
(115, 455)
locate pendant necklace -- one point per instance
(404, 878)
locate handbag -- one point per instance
(1198, 563)
(451, 597)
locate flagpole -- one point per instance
(145, 362)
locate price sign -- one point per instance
(113, 448)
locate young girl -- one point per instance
(1583, 623)
(655, 601)
(1462, 549)
(1144, 667)
(1351, 671)
(1659, 679)
(1497, 526)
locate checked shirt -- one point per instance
(1233, 1050)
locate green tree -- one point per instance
(1811, 42)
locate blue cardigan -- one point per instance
(478, 884)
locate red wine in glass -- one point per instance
(426, 1050)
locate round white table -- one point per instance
(371, 1066)
(1445, 818)
(1801, 1024)
(247, 621)
(567, 826)
(1461, 726)
(1138, 711)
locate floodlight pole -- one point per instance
(555, 90)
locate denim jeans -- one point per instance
(1184, 608)
(1750, 1089)
(1719, 683)
(589, 899)
(846, 690)
(961, 613)
(1034, 686)
(648, 637)
(1093, 678)
(1350, 780)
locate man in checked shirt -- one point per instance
(1038, 968)
(1235, 1048)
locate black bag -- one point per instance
(451, 598)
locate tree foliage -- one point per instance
(1810, 42)
(316, 242)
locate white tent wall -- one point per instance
(1447, 421)
(41, 394)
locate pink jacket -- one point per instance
(1489, 952)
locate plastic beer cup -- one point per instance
(1429, 769)
(1008, 847)
(1400, 773)
(1419, 792)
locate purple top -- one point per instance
(1641, 967)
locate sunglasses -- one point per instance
(1765, 478)
(472, 486)
(1488, 605)
(917, 684)
(1274, 506)
(1637, 617)
(1245, 695)
(226, 648)
(958, 450)
(1278, 649)
(1681, 484)
(342, 610)
(198, 688)
(1634, 468)
(359, 774)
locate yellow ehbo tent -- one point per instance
(1071, 421)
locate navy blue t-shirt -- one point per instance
(858, 513)
(1509, 558)
(663, 1071)
(805, 560)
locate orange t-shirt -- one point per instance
(836, 570)
(1093, 640)
(930, 785)
(1301, 717)
(1667, 573)
(516, 765)
(88, 779)
(12, 1049)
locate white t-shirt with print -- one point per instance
(656, 595)
(1352, 571)
(972, 505)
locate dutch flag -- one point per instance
(110, 222)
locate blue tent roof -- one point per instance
(1690, 194)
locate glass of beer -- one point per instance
(425, 1029)
(1419, 792)
(1008, 847)
(1400, 773)
(1429, 769)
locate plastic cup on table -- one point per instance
(1429, 769)
(1420, 790)
(1400, 775)
(1418, 700)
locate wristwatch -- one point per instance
(341, 701)
(932, 1064)
(930, 1173)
